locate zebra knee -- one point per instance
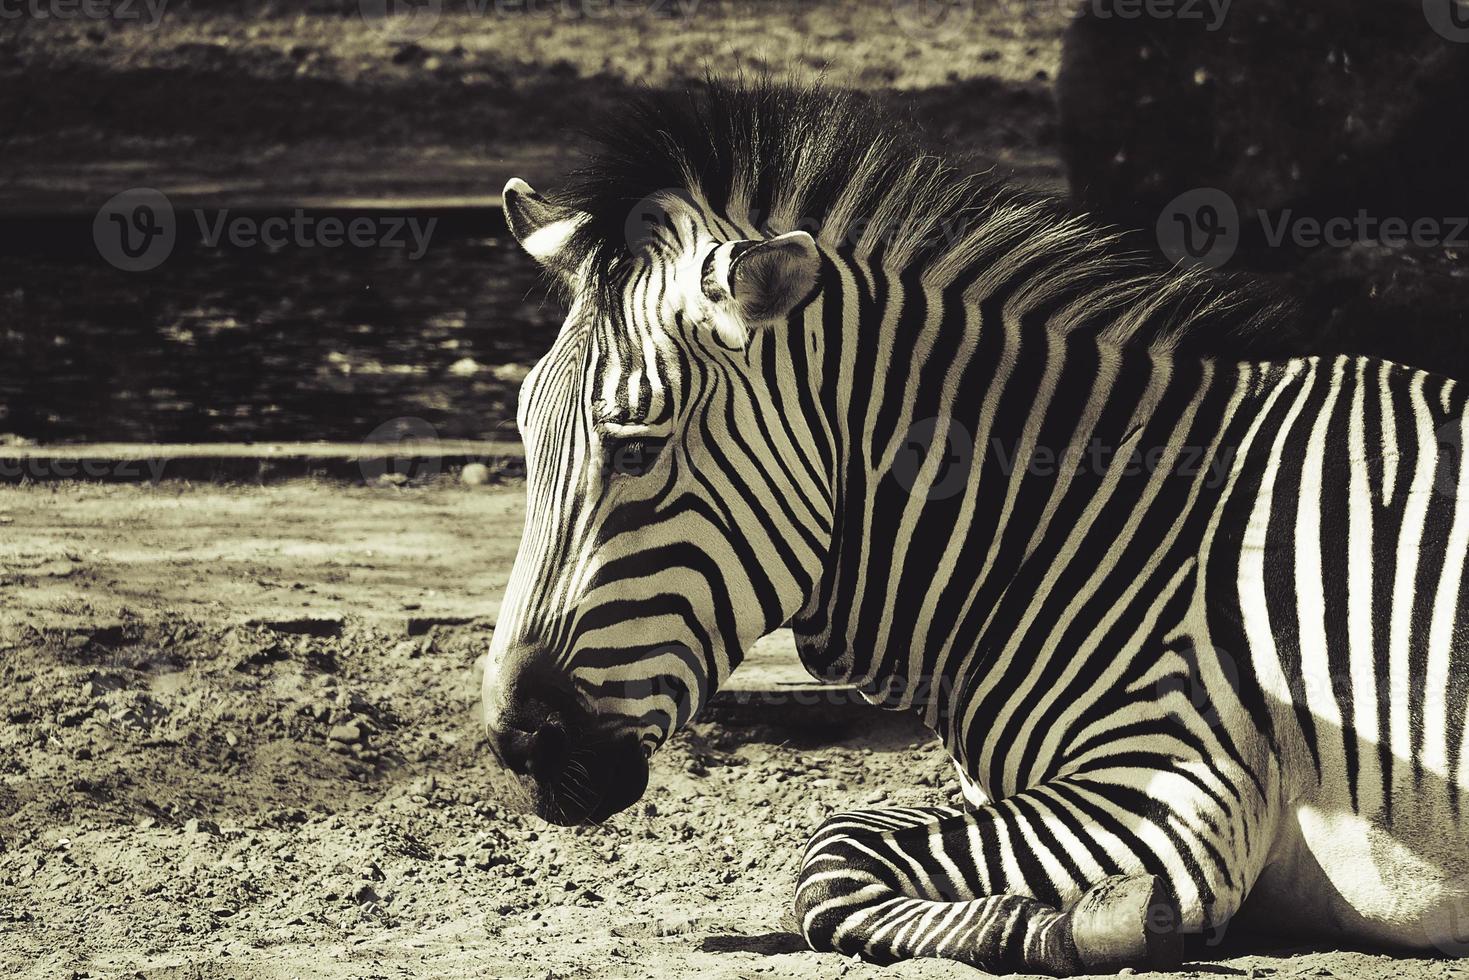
(834, 882)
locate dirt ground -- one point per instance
(186, 796)
(340, 106)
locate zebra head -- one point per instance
(677, 505)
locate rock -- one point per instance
(198, 826)
(409, 53)
(465, 367)
(349, 733)
(422, 786)
(475, 475)
(1331, 107)
(513, 373)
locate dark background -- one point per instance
(262, 107)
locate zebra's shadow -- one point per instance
(766, 944)
(1200, 956)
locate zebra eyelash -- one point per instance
(630, 430)
(630, 448)
(633, 456)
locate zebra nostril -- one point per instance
(548, 749)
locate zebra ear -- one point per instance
(543, 229)
(769, 279)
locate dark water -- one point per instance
(228, 342)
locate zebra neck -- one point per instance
(971, 435)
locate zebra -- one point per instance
(1186, 617)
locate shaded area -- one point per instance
(766, 944)
(305, 342)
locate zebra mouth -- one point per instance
(596, 781)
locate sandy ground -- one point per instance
(185, 796)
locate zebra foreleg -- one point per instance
(887, 885)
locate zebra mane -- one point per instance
(773, 157)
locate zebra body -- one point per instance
(1255, 656)
(1188, 625)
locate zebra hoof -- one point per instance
(1127, 920)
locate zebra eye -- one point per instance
(633, 456)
